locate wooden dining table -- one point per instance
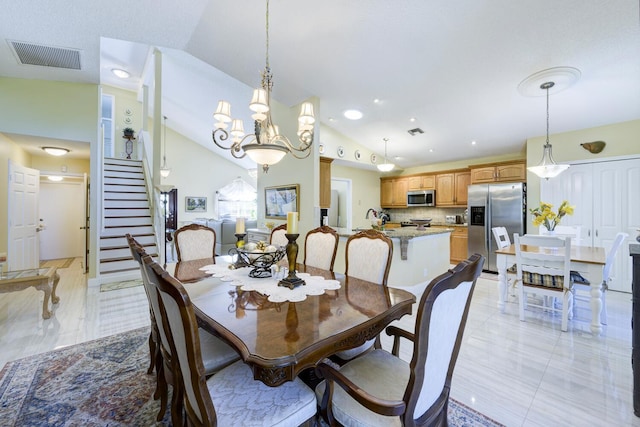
(279, 340)
(587, 260)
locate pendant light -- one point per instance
(164, 169)
(548, 168)
(386, 166)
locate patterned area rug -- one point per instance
(104, 383)
(60, 263)
(105, 287)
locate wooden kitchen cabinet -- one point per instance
(393, 192)
(421, 182)
(325, 182)
(451, 188)
(499, 172)
(459, 244)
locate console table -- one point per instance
(43, 279)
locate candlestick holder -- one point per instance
(291, 281)
(240, 237)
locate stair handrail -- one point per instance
(154, 195)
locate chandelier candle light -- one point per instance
(292, 281)
(266, 146)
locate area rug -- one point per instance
(104, 383)
(59, 263)
(105, 287)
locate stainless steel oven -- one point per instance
(421, 198)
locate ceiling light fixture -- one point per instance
(386, 166)
(266, 146)
(164, 169)
(548, 168)
(353, 114)
(55, 151)
(120, 73)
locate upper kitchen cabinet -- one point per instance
(393, 192)
(499, 172)
(451, 188)
(422, 182)
(325, 182)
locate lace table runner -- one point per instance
(315, 285)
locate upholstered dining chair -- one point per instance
(368, 256)
(381, 389)
(195, 241)
(277, 237)
(231, 397)
(216, 353)
(543, 268)
(320, 247)
(582, 286)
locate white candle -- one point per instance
(292, 222)
(239, 225)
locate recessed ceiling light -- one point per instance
(412, 119)
(331, 119)
(431, 150)
(376, 101)
(473, 143)
(353, 114)
(55, 151)
(120, 73)
(55, 178)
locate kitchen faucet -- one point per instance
(375, 214)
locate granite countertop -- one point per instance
(403, 232)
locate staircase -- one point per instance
(126, 210)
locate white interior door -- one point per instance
(24, 186)
(62, 210)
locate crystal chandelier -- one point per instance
(386, 166)
(266, 146)
(548, 168)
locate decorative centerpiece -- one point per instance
(543, 215)
(421, 223)
(260, 257)
(292, 280)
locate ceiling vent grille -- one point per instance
(46, 56)
(414, 132)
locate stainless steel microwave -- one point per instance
(421, 198)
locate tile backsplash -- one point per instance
(435, 213)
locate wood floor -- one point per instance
(519, 373)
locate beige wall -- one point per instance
(365, 191)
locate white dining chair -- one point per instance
(571, 231)
(195, 241)
(278, 237)
(582, 286)
(503, 241)
(320, 247)
(544, 272)
(368, 257)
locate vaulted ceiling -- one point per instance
(452, 67)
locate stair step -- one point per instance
(125, 188)
(127, 212)
(131, 221)
(121, 241)
(133, 174)
(129, 182)
(125, 204)
(110, 161)
(123, 253)
(117, 266)
(121, 231)
(119, 195)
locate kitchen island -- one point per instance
(418, 256)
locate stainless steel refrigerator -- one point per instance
(495, 205)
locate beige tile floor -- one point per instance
(519, 373)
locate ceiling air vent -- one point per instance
(46, 56)
(414, 132)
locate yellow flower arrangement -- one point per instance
(543, 215)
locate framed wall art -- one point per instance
(281, 199)
(195, 204)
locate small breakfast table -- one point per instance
(587, 260)
(43, 279)
(278, 340)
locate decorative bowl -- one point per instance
(260, 261)
(421, 223)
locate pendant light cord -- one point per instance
(267, 38)
(547, 115)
